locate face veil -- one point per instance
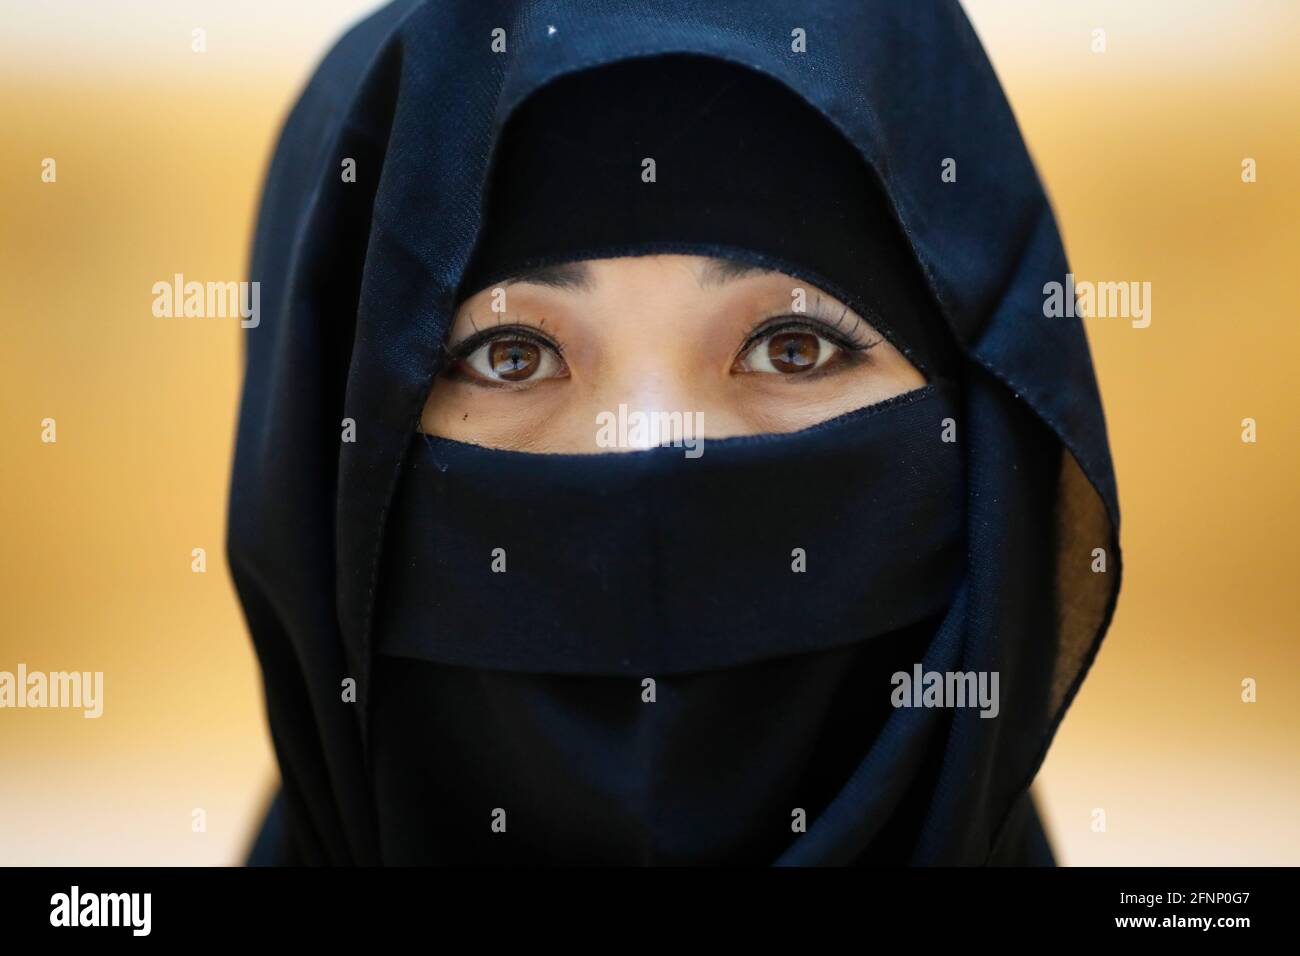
(332, 543)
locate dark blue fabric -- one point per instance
(522, 687)
(358, 286)
(651, 563)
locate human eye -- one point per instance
(503, 356)
(795, 345)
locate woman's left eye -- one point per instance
(788, 351)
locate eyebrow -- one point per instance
(568, 275)
(718, 272)
(576, 276)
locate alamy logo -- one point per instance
(638, 429)
(946, 689)
(208, 300)
(1098, 300)
(70, 689)
(75, 908)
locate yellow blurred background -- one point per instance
(160, 153)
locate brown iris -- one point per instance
(513, 359)
(793, 351)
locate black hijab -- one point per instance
(356, 559)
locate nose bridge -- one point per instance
(649, 386)
(651, 405)
(650, 350)
(657, 352)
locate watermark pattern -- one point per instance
(53, 690)
(949, 689)
(650, 429)
(208, 300)
(1098, 300)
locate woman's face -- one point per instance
(538, 361)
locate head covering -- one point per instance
(352, 556)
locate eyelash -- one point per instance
(514, 330)
(805, 322)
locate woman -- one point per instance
(836, 618)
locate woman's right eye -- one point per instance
(511, 360)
